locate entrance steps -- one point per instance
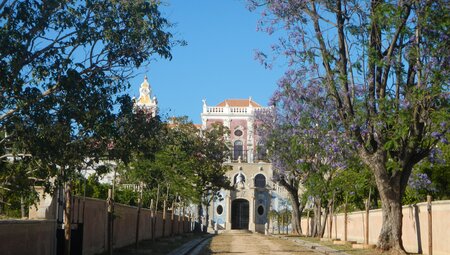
(238, 231)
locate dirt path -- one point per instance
(247, 243)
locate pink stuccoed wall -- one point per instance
(415, 227)
(125, 222)
(38, 236)
(27, 237)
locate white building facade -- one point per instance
(247, 206)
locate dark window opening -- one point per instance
(238, 150)
(260, 210)
(219, 210)
(260, 181)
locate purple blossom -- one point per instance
(262, 58)
(405, 104)
(419, 181)
(436, 156)
(436, 135)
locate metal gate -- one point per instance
(239, 214)
(76, 240)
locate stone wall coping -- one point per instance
(121, 205)
(26, 221)
(438, 202)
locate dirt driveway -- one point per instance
(248, 243)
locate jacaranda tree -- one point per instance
(385, 66)
(305, 144)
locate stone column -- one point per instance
(251, 223)
(250, 140)
(228, 211)
(211, 213)
(250, 153)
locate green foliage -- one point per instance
(436, 180)
(385, 66)
(127, 197)
(62, 64)
(353, 186)
(91, 187)
(187, 165)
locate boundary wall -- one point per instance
(27, 237)
(95, 225)
(415, 227)
(39, 236)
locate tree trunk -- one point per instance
(322, 229)
(317, 225)
(206, 218)
(279, 223)
(308, 224)
(391, 230)
(22, 208)
(109, 235)
(391, 187)
(291, 187)
(67, 217)
(296, 214)
(198, 224)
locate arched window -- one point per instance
(239, 178)
(238, 150)
(260, 181)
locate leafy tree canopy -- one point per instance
(385, 66)
(62, 65)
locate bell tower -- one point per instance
(145, 101)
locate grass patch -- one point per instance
(345, 248)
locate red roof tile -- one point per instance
(239, 103)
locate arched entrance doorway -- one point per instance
(239, 214)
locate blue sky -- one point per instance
(218, 62)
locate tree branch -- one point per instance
(391, 50)
(326, 59)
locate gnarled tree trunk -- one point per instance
(391, 231)
(391, 186)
